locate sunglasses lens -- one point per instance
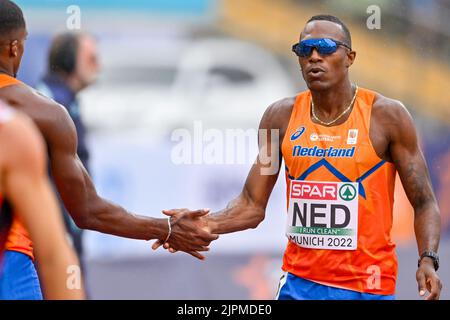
(302, 49)
(326, 46)
(323, 46)
(326, 49)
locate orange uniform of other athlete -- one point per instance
(340, 201)
(18, 239)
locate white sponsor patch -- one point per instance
(323, 137)
(352, 136)
(323, 215)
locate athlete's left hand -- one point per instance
(428, 280)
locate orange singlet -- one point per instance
(340, 198)
(18, 238)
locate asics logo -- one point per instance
(297, 133)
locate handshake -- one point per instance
(188, 231)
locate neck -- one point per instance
(332, 101)
(7, 70)
(74, 84)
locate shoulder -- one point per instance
(48, 115)
(278, 113)
(389, 109)
(27, 99)
(393, 117)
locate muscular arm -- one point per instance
(412, 169)
(77, 191)
(248, 209)
(28, 189)
(403, 150)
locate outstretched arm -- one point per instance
(88, 209)
(248, 209)
(79, 195)
(410, 164)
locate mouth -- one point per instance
(315, 71)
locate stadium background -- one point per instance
(166, 64)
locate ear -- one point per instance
(351, 56)
(14, 48)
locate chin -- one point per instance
(318, 85)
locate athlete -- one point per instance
(74, 185)
(24, 187)
(342, 146)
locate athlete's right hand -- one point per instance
(189, 232)
(428, 280)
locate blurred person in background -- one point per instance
(72, 66)
(341, 147)
(25, 191)
(75, 186)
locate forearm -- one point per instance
(237, 216)
(107, 217)
(427, 226)
(53, 253)
(55, 268)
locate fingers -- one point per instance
(200, 241)
(198, 213)
(208, 237)
(191, 248)
(434, 286)
(196, 255)
(170, 212)
(199, 246)
(421, 283)
(192, 214)
(157, 244)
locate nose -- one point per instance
(314, 56)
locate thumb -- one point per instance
(199, 213)
(421, 283)
(157, 244)
(169, 212)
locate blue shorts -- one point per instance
(18, 278)
(295, 288)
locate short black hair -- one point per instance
(11, 18)
(63, 53)
(334, 19)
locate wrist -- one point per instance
(161, 229)
(211, 224)
(169, 229)
(426, 260)
(429, 257)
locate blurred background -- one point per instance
(167, 63)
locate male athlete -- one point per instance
(342, 146)
(25, 188)
(77, 191)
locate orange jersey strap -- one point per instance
(6, 80)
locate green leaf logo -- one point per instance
(347, 192)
